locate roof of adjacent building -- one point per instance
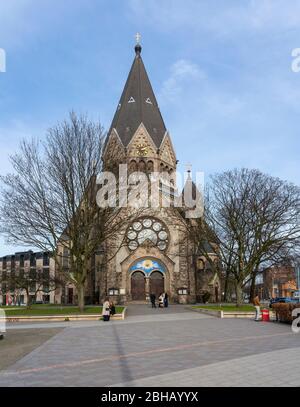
(27, 255)
(138, 105)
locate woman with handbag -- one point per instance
(106, 310)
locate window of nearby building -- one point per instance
(46, 278)
(32, 260)
(182, 291)
(147, 229)
(45, 259)
(12, 280)
(3, 281)
(66, 257)
(33, 299)
(32, 280)
(46, 299)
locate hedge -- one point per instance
(284, 311)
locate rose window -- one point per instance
(147, 229)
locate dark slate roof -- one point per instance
(138, 105)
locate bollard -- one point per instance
(265, 315)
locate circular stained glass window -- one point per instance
(163, 235)
(162, 245)
(147, 230)
(132, 235)
(147, 234)
(133, 245)
(137, 226)
(157, 226)
(147, 223)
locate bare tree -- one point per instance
(260, 215)
(50, 201)
(253, 218)
(31, 281)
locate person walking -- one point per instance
(152, 299)
(256, 304)
(166, 300)
(106, 310)
(161, 300)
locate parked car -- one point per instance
(283, 300)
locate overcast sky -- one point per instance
(221, 71)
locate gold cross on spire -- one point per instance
(138, 38)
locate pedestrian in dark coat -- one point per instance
(112, 308)
(166, 300)
(152, 299)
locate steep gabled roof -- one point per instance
(138, 105)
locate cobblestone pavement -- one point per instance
(17, 344)
(172, 348)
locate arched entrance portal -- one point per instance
(138, 286)
(147, 275)
(157, 283)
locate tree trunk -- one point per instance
(226, 286)
(29, 301)
(239, 294)
(252, 289)
(80, 289)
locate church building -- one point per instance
(154, 253)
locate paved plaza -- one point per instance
(157, 347)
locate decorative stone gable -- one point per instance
(167, 152)
(141, 144)
(114, 151)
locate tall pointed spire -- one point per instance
(138, 104)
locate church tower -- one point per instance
(152, 254)
(138, 135)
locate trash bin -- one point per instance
(265, 315)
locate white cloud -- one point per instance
(182, 75)
(193, 93)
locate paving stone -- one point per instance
(179, 347)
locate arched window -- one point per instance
(142, 166)
(200, 264)
(132, 166)
(150, 166)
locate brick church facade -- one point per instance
(157, 255)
